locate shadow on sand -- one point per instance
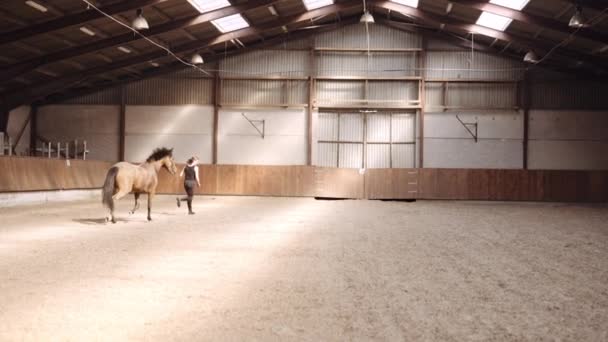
(96, 221)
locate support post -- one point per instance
(525, 99)
(311, 100)
(217, 87)
(422, 95)
(122, 124)
(311, 90)
(33, 128)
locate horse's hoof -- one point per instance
(131, 212)
(113, 221)
(149, 219)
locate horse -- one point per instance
(123, 178)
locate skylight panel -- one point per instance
(411, 3)
(208, 5)
(493, 21)
(514, 4)
(314, 4)
(230, 23)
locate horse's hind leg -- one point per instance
(136, 206)
(120, 194)
(150, 196)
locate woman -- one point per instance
(191, 172)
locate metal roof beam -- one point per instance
(11, 71)
(30, 94)
(73, 19)
(176, 66)
(539, 21)
(455, 25)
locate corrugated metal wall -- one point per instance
(275, 62)
(170, 91)
(570, 94)
(445, 144)
(389, 140)
(378, 64)
(381, 37)
(467, 65)
(264, 92)
(110, 96)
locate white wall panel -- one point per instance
(490, 124)
(188, 129)
(285, 142)
(447, 143)
(466, 153)
(98, 125)
(568, 155)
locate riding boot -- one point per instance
(190, 212)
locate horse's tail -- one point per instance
(108, 188)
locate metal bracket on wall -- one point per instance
(255, 124)
(467, 126)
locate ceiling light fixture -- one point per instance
(367, 17)
(36, 5)
(577, 20)
(531, 57)
(140, 23)
(196, 59)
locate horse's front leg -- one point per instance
(150, 196)
(136, 206)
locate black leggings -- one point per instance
(189, 187)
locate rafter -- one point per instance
(176, 66)
(20, 96)
(73, 19)
(13, 70)
(456, 25)
(598, 5)
(531, 19)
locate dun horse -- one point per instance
(123, 177)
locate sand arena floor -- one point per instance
(247, 268)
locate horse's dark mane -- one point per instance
(159, 154)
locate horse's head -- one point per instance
(169, 163)
(163, 157)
